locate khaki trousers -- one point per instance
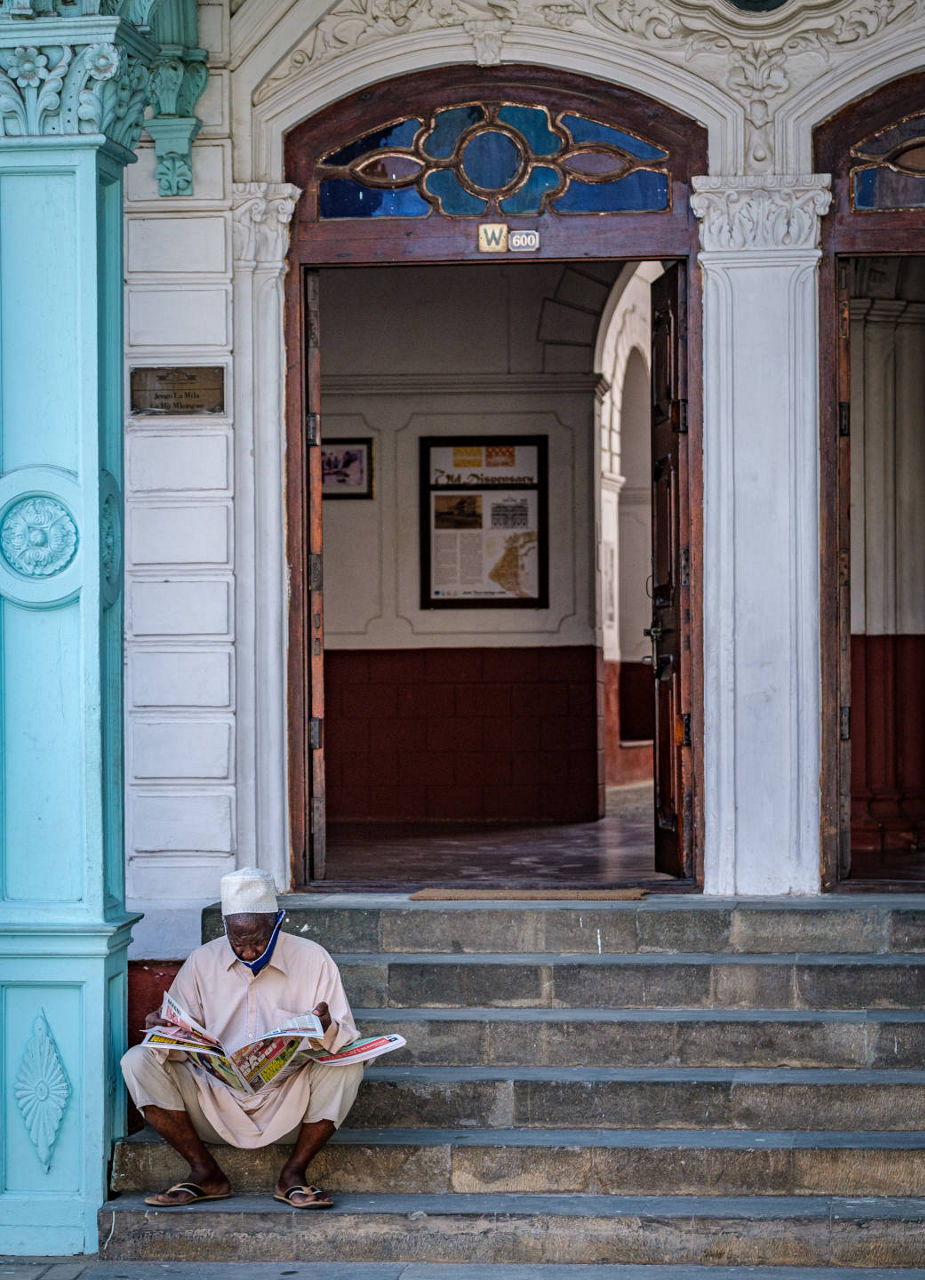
(174, 1086)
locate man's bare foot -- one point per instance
(303, 1197)
(191, 1192)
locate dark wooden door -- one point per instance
(670, 629)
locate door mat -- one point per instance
(528, 895)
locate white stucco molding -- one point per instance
(767, 211)
(762, 677)
(261, 216)
(901, 52)
(707, 59)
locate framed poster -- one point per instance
(484, 522)
(347, 468)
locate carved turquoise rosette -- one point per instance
(40, 544)
(38, 536)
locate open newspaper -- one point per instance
(269, 1059)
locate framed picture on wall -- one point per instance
(347, 468)
(484, 522)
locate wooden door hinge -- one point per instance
(315, 571)
(312, 428)
(686, 729)
(844, 724)
(315, 733)
(679, 416)
(844, 418)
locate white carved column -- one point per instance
(762, 684)
(262, 213)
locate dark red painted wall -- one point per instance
(465, 734)
(147, 982)
(887, 743)
(626, 764)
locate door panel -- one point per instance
(314, 651)
(670, 630)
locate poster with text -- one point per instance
(484, 534)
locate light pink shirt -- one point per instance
(235, 1005)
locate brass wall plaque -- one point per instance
(193, 389)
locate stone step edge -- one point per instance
(453, 1271)
(560, 1014)
(661, 1139)
(820, 1076)
(634, 959)
(402, 901)
(511, 1204)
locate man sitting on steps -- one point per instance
(238, 986)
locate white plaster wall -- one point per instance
(456, 350)
(180, 731)
(887, 466)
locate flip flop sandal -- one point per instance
(195, 1192)
(286, 1197)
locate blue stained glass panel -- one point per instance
(454, 198)
(393, 135)
(639, 191)
(886, 189)
(491, 160)
(583, 130)
(528, 199)
(448, 128)
(345, 198)
(533, 123)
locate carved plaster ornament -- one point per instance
(761, 212)
(755, 57)
(38, 536)
(42, 1090)
(73, 89)
(261, 213)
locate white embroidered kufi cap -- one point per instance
(248, 891)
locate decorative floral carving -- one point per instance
(38, 536)
(109, 538)
(760, 212)
(755, 58)
(262, 212)
(98, 87)
(42, 1090)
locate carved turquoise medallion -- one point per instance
(38, 536)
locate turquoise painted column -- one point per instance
(72, 93)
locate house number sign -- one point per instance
(497, 237)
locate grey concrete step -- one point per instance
(876, 923)
(429, 1271)
(687, 981)
(571, 1161)
(526, 1229)
(653, 1037)
(612, 1097)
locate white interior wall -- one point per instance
(887, 459)
(453, 350)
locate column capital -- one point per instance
(762, 212)
(261, 213)
(74, 76)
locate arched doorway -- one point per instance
(873, 615)
(429, 171)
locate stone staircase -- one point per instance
(673, 1084)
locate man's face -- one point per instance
(249, 935)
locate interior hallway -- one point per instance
(614, 852)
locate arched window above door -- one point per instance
(888, 167)
(483, 159)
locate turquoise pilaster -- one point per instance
(72, 94)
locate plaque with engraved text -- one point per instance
(182, 392)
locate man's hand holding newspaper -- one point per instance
(273, 1056)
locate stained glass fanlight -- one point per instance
(888, 167)
(481, 159)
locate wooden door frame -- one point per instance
(846, 234)
(625, 237)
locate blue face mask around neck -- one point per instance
(262, 960)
